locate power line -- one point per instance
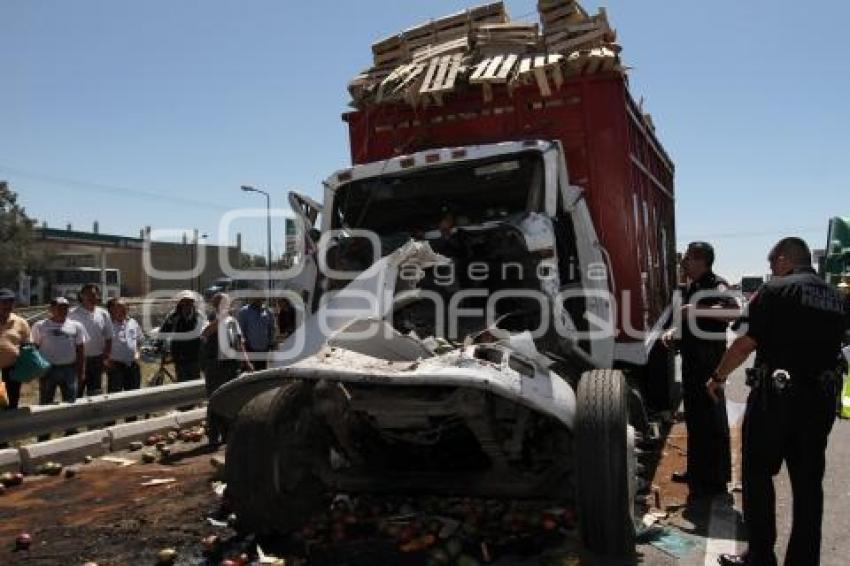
(110, 189)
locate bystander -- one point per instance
(14, 332)
(98, 347)
(258, 325)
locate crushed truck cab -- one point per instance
(486, 287)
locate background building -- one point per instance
(69, 255)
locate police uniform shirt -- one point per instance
(98, 326)
(58, 342)
(708, 291)
(797, 322)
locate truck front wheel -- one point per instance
(272, 453)
(605, 464)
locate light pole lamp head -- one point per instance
(248, 189)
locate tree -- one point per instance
(16, 233)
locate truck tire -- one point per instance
(272, 452)
(604, 464)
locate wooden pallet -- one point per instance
(390, 50)
(558, 12)
(401, 82)
(480, 46)
(494, 70)
(441, 75)
(540, 69)
(428, 52)
(567, 37)
(591, 61)
(449, 28)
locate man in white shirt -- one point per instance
(61, 341)
(123, 373)
(98, 327)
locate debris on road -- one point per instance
(158, 481)
(49, 469)
(123, 462)
(23, 541)
(11, 479)
(166, 556)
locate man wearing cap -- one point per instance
(706, 312)
(61, 341)
(182, 329)
(14, 332)
(98, 347)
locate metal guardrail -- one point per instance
(96, 410)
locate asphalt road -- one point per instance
(711, 526)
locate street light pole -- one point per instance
(250, 189)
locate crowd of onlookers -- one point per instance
(79, 345)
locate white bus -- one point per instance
(67, 281)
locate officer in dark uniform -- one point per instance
(708, 308)
(796, 323)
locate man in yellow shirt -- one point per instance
(14, 332)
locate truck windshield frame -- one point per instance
(471, 192)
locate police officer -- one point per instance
(795, 325)
(707, 310)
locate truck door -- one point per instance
(307, 213)
(587, 290)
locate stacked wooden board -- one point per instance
(481, 47)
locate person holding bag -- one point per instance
(14, 333)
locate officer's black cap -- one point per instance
(704, 250)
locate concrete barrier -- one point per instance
(67, 450)
(10, 460)
(190, 418)
(120, 436)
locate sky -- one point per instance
(154, 113)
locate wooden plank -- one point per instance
(429, 76)
(387, 44)
(557, 75)
(487, 91)
(581, 41)
(542, 81)
(409, 79)
(558, 12)
(449, 83)
(495, 63)
(592, 64)
(390, 57)
(451, 21)
(572, 29)
(494, 12)
(552, 4)
(479, 70)
(429, 52)
(539, 69)
(442, 71)
(506, 67)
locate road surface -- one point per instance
(104, 514)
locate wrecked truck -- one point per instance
(486, 286)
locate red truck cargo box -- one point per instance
(611, 152)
